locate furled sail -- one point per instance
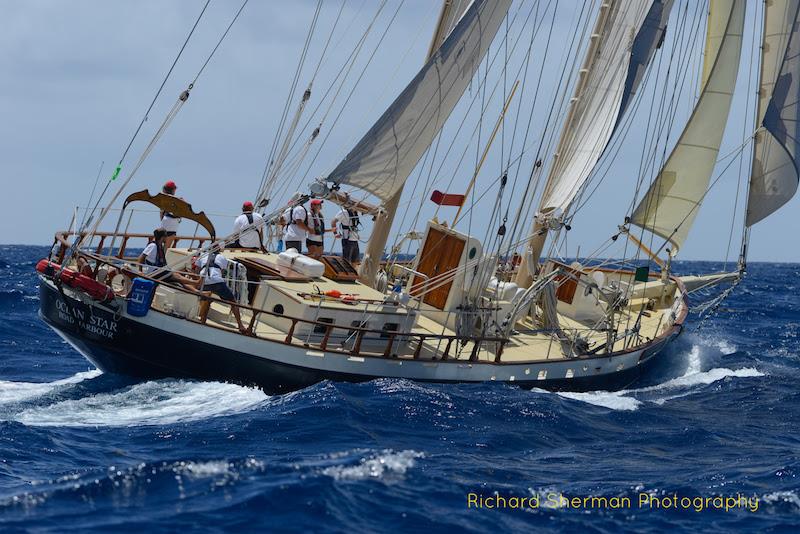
(774, 177)
(597, 99)
(647, 40)
(671, 204)
(381, 162)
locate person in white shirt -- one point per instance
(169, 221)
(249, 226)
(347, 222)
(210, 266)
(315, 240)
(153, 260)
(297, 228)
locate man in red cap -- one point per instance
(169, 221)
(248, 229)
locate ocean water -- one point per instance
(720, 418)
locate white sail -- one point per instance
(596, 103)
(648, 39)
(774, 176)
(381, 162)
(671, 204)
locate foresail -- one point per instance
(597, 100)
(648, 39)
(774, 176)
(671, 204)
(383, 159)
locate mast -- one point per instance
(384, 220)
(593, 114)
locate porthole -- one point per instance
(472, 252)
(278, 309)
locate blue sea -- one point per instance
(718, 421)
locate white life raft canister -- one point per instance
(300, 263)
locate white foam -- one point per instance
(694, 376)
(159, 402)
(788, 497)
(614, 400)
(13, 392)
(376, 466)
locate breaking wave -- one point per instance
(626, 400)
(159, 402)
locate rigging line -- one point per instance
(287, 105)
(556, 110)
(184, 96)
(298, 157)
(434, 98)
(341, 71)
(88, 215)
(674, 103)
(483, 110)
(665, 117)
(699, 203)
(163, 82)
(565, 68)
(352, 61)
(352, 90)
(344, 72)
(214, 51)
(753, 72)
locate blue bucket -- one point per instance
(140, 297)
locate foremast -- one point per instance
(382, 226)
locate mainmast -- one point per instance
(448, 16)
(613, 58)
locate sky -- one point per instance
(77, 78)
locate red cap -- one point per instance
(170, 185)
(316, 201)
(247, 205)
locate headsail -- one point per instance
(648, 39)
(381, 162)
(671, 204)
(774, 177)
(597, 100)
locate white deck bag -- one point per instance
(300, 263)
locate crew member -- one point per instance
(348, 224)
(248, 226)
(169, 221)
(315, 240)
(297, 227)
(210, 266)
(153, 261)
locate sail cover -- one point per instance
(774, 176)
(670, 205)
(596, 104)
(381, 162)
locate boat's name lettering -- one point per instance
(94, 324)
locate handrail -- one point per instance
(348, 328)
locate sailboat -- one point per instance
(459, 309)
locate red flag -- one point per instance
(444, 199)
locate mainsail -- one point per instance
(774, 176)
(382, 161)
(596, 104)
(671, 204)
